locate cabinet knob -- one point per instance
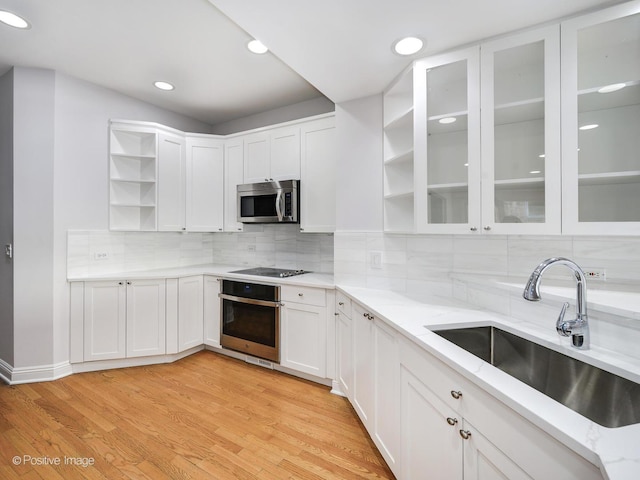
(474, 229)
(341, 304)
(120, 283)
(128, 283)
(465, 434)
(456, 394)
(452, 421)
(487, 228)
(219, 229)
(301, 294)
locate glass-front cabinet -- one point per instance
(520, 78)
(601, 122)
(447, 142)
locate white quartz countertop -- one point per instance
(615, 450)
(311, 279)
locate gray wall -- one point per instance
(6, 216)
(60, 127)
(315, 106)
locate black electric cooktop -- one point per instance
(271, 272)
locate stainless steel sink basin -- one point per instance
(603, 397)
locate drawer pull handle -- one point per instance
(456, 394)
(466, 434)
(341, 304)
(301, 294)
(452, 421)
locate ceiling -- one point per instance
(338, 48)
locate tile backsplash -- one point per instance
(415, 263)
(98, 252)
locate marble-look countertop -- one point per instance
(311, 279)
(615, 450)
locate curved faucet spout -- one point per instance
(578, 328)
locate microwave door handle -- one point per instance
(279, 205)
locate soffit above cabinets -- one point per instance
(344, 47)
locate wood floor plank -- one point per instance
(206, 416)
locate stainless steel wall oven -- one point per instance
(251, 319)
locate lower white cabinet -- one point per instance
(363, 374)
(190, 312)
(453, 430)
(303, 330)
(212, 311)
(146, 318)
(123, 319)
(344, 345)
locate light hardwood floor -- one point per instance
(206, 416)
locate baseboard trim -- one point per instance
(39, 373)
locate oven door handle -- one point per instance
(250, 301)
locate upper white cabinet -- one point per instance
(486, 141)
(233, 176)
(171, 181)
(132, 177)
(317, 176)
(601, 119)
(204, 184)
(520, 140)
(272, 155)
(447, 142)
(398, 155)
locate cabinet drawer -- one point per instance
(307, 295)
(343, 304)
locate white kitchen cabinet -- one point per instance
(601, 120)
(146, 318)
(204, 184)
(104, 320)
(452, 429)
(303, 330)
(386, 365)
(344, 345)
(398, 150)
(233, 176)
(211, 311)
(520, 124)
(171, 181)
(318, 176)
(123, 319)
(190, 312)
(363, 369)
(273, 154)
(132, 177)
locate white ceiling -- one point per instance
(341, 47)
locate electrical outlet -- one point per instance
(101, 255)
(375, 259)
(251, 247)
(597, 274)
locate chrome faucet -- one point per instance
(578, 328)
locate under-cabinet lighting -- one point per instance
(13, 20)
(256, 46)
(535, 171)
(614, 87)
(447, 120)
(589, 127)
(466, 164)
(408, 45)
(542, 155)
(163, 85)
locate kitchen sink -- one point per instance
(603, 397)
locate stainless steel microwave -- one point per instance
(269, 202)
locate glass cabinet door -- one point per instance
(447, 143)
(521, 133)
(601, 88)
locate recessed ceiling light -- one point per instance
(164, 85)
(612, 88)
(589, 127)
(256, 46)
(408, 46)
(446, 120)
(13, 20)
